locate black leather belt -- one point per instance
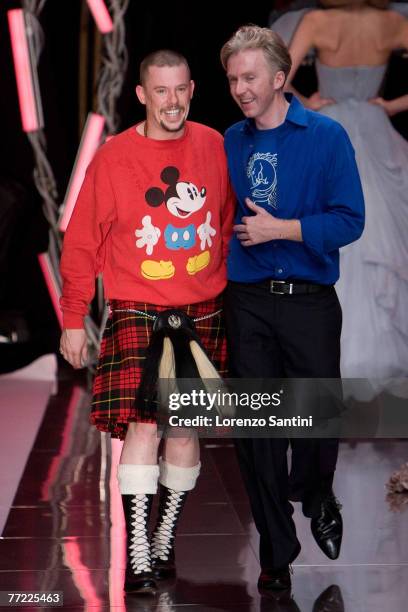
(287, 287)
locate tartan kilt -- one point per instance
(121, 360)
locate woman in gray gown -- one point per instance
(353, 40)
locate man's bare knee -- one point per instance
(143, 432)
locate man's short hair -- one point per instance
(253, 37)
(163, 57)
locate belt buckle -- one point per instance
(281, 282)
(275, 291)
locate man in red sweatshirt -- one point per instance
(154, 216)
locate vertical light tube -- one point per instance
(52, 284)
(25, 71)
(91, 137)
(101, 15)
(117, 534)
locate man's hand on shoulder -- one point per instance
(74, 347)
(263, 227)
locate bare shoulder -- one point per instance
(311, 24)
(394, 17)
(397, 27)
(391, 19)
(320, 21)
(315, 18)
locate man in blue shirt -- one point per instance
(299, 200)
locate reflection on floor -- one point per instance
(65, 531)
(24, 395)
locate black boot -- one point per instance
(162, 542)
(139, 576)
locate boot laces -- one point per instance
(163, 536)
(139, 549)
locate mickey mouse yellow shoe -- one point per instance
(198, 262)
(157, 270)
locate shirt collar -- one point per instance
(296, 114)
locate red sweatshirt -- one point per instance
(154, 217)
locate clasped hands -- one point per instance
(262, 227)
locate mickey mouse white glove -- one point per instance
(205, 231)
(148, 236)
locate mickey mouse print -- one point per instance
(182, 199)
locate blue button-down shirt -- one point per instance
(304, 169)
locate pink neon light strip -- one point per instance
(51, 283)
(81, 574)
(90, 140)
(101, 15)
(65, 448)
(117, 534)
(82, 577)
(22, 68)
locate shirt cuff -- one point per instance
(72, 320)
(312, 235)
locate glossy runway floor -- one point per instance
(65, 532)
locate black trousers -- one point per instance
(278, 336)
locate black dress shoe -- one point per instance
(275, 580)
(327, 527)
(330, 600)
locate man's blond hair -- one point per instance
(254, 37)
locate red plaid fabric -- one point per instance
(123, 348)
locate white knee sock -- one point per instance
(135, 479)
(178, 478)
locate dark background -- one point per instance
(197, 30)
